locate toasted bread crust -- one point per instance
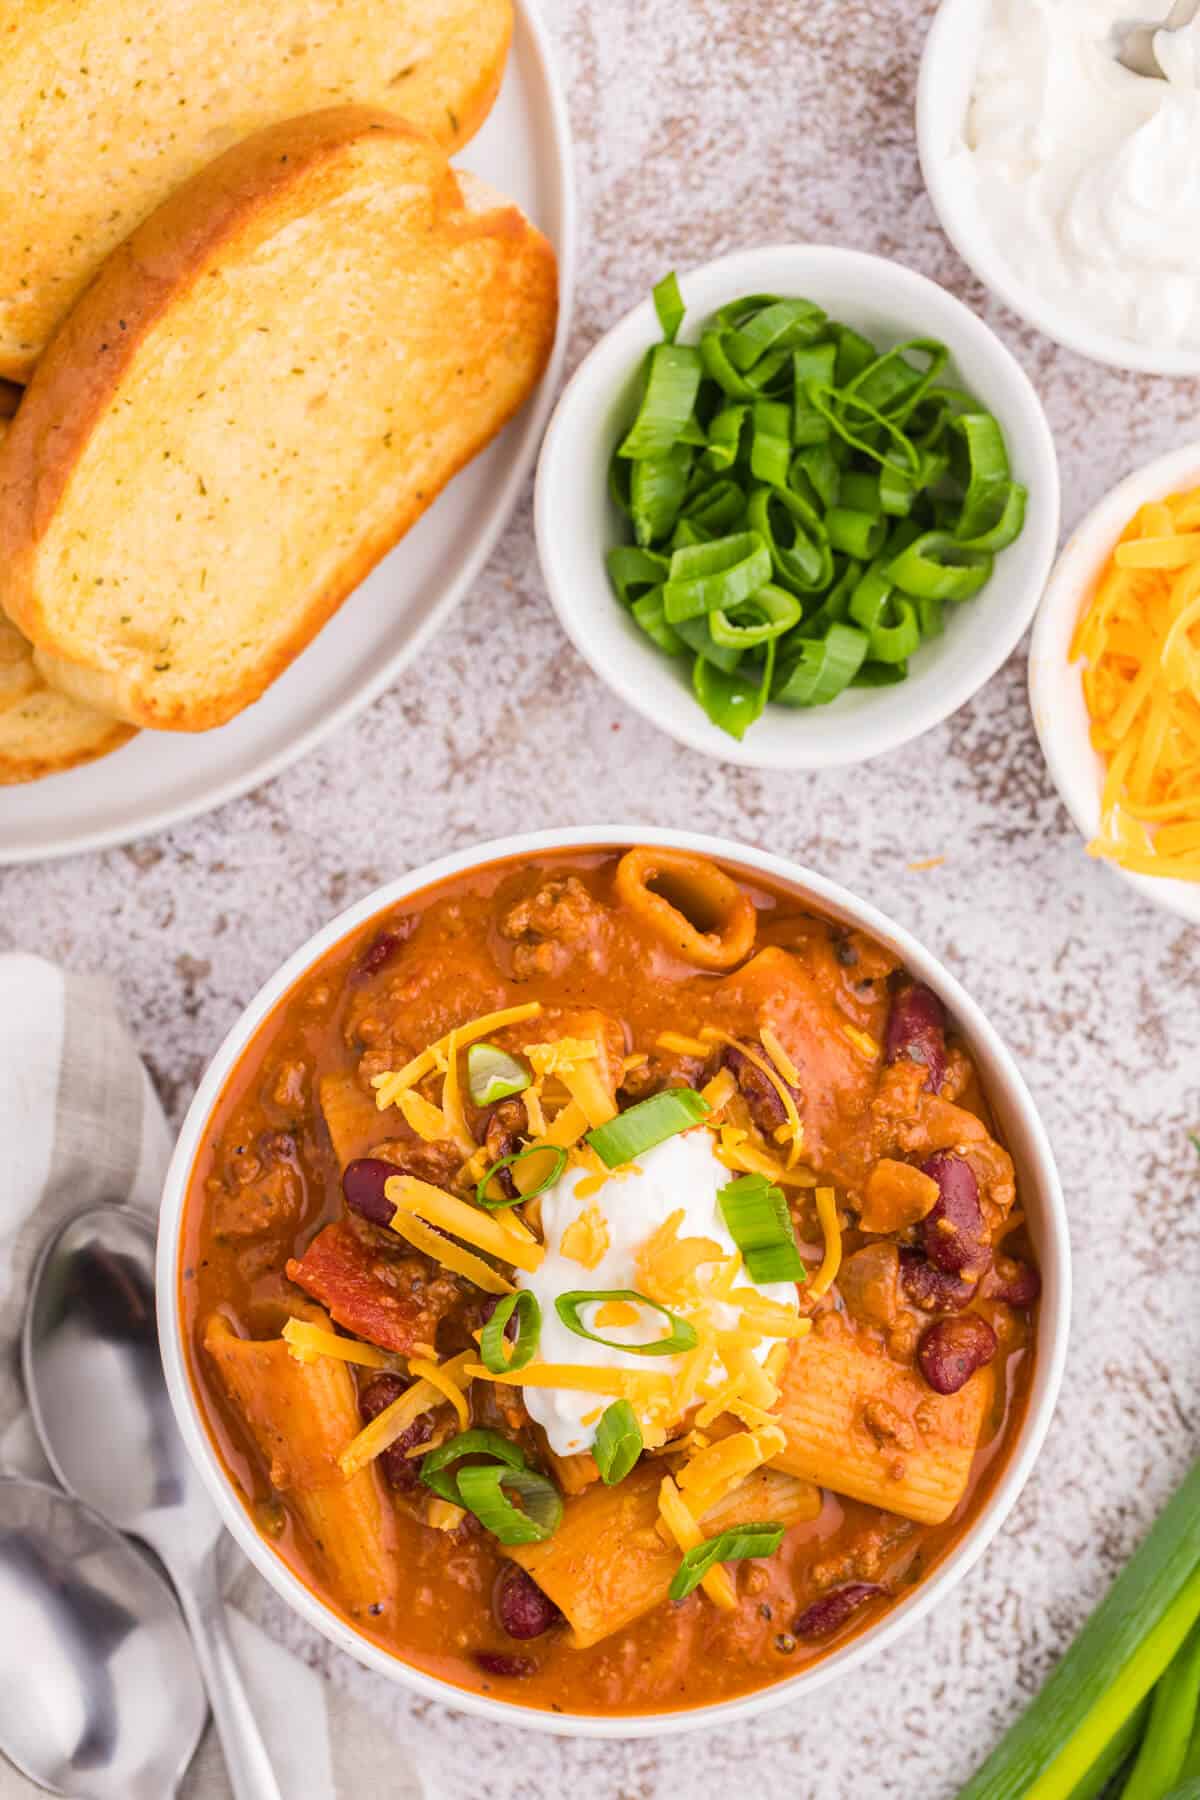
(79, 381)
(144, 97)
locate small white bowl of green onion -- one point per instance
(797, 506)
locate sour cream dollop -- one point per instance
(1086, 176)
(681, 1173)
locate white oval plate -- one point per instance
(159, 778)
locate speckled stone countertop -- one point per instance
(703, 125)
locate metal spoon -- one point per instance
(100, 1697)
(1136, 42)
(98, 1396)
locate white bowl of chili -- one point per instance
(957, 648)
(1056, 688)
(768, 881)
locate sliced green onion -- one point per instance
(639, 1128)
(757, 1218)
(779, 325)
(733, 700)
(768, 614)
(937, 567)
(870, 597)
(492, 1074)
(696, 634)
(558, 1162)
(668, 304)
(657, 486)
(824, 667)
(649, 614)
(635, 572)
(672, 383)
(892, 385)
(483, 1489)
(770, 442)
(809, 427)
(717, 508)
(725, 436)
(722, 573)
(681, 1336)
(977, 441)
(796, 539)
(819, 468)
(618, 1442)
(854, 354)
(853, 419)
(857, 534)
(897, 632)
(1009, 522)
(437, 1466)
(495, 1351)
(931, 613)
(734, 1545)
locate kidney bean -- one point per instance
(363, 1183)
(832, 1611)
(932, 1289)
(502, 1137)
(916, 1032)
(952, 1350)
(762, 1101)
(521, 1608)
(399, 1469)
(1016, 1283)
(498, 1662)
(952, 1233)
(380, 953)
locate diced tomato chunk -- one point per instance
(387, 1301)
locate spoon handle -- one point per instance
(249, 1767)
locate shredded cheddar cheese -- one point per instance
(452, 1256)
(682, 1527)
(387, 1426)
(586, 1241)
(307, 1342)
(481, 1229)
(677, 1043)
(766, 1068)
(428, 1121)
(831, 1226)
(1138, 639)
(718, 1093)
(779, 1056)
(863, 1042)
(441, 1514)
(393, 1082)
(638, 1386)
(444, 1383)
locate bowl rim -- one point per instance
(1053, 1325)
(759, 266)
(974, 246)
(1075, 768)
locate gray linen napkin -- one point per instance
(80, 1124)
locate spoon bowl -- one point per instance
(100, 1696)
(94, 1377)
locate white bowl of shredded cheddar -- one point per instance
(1114, 680)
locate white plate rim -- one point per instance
(532, 420)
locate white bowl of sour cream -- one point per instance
(1069, 185)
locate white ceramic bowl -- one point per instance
(943, 94)
(577, 522)
(1056, 685)
(1042, 1199)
